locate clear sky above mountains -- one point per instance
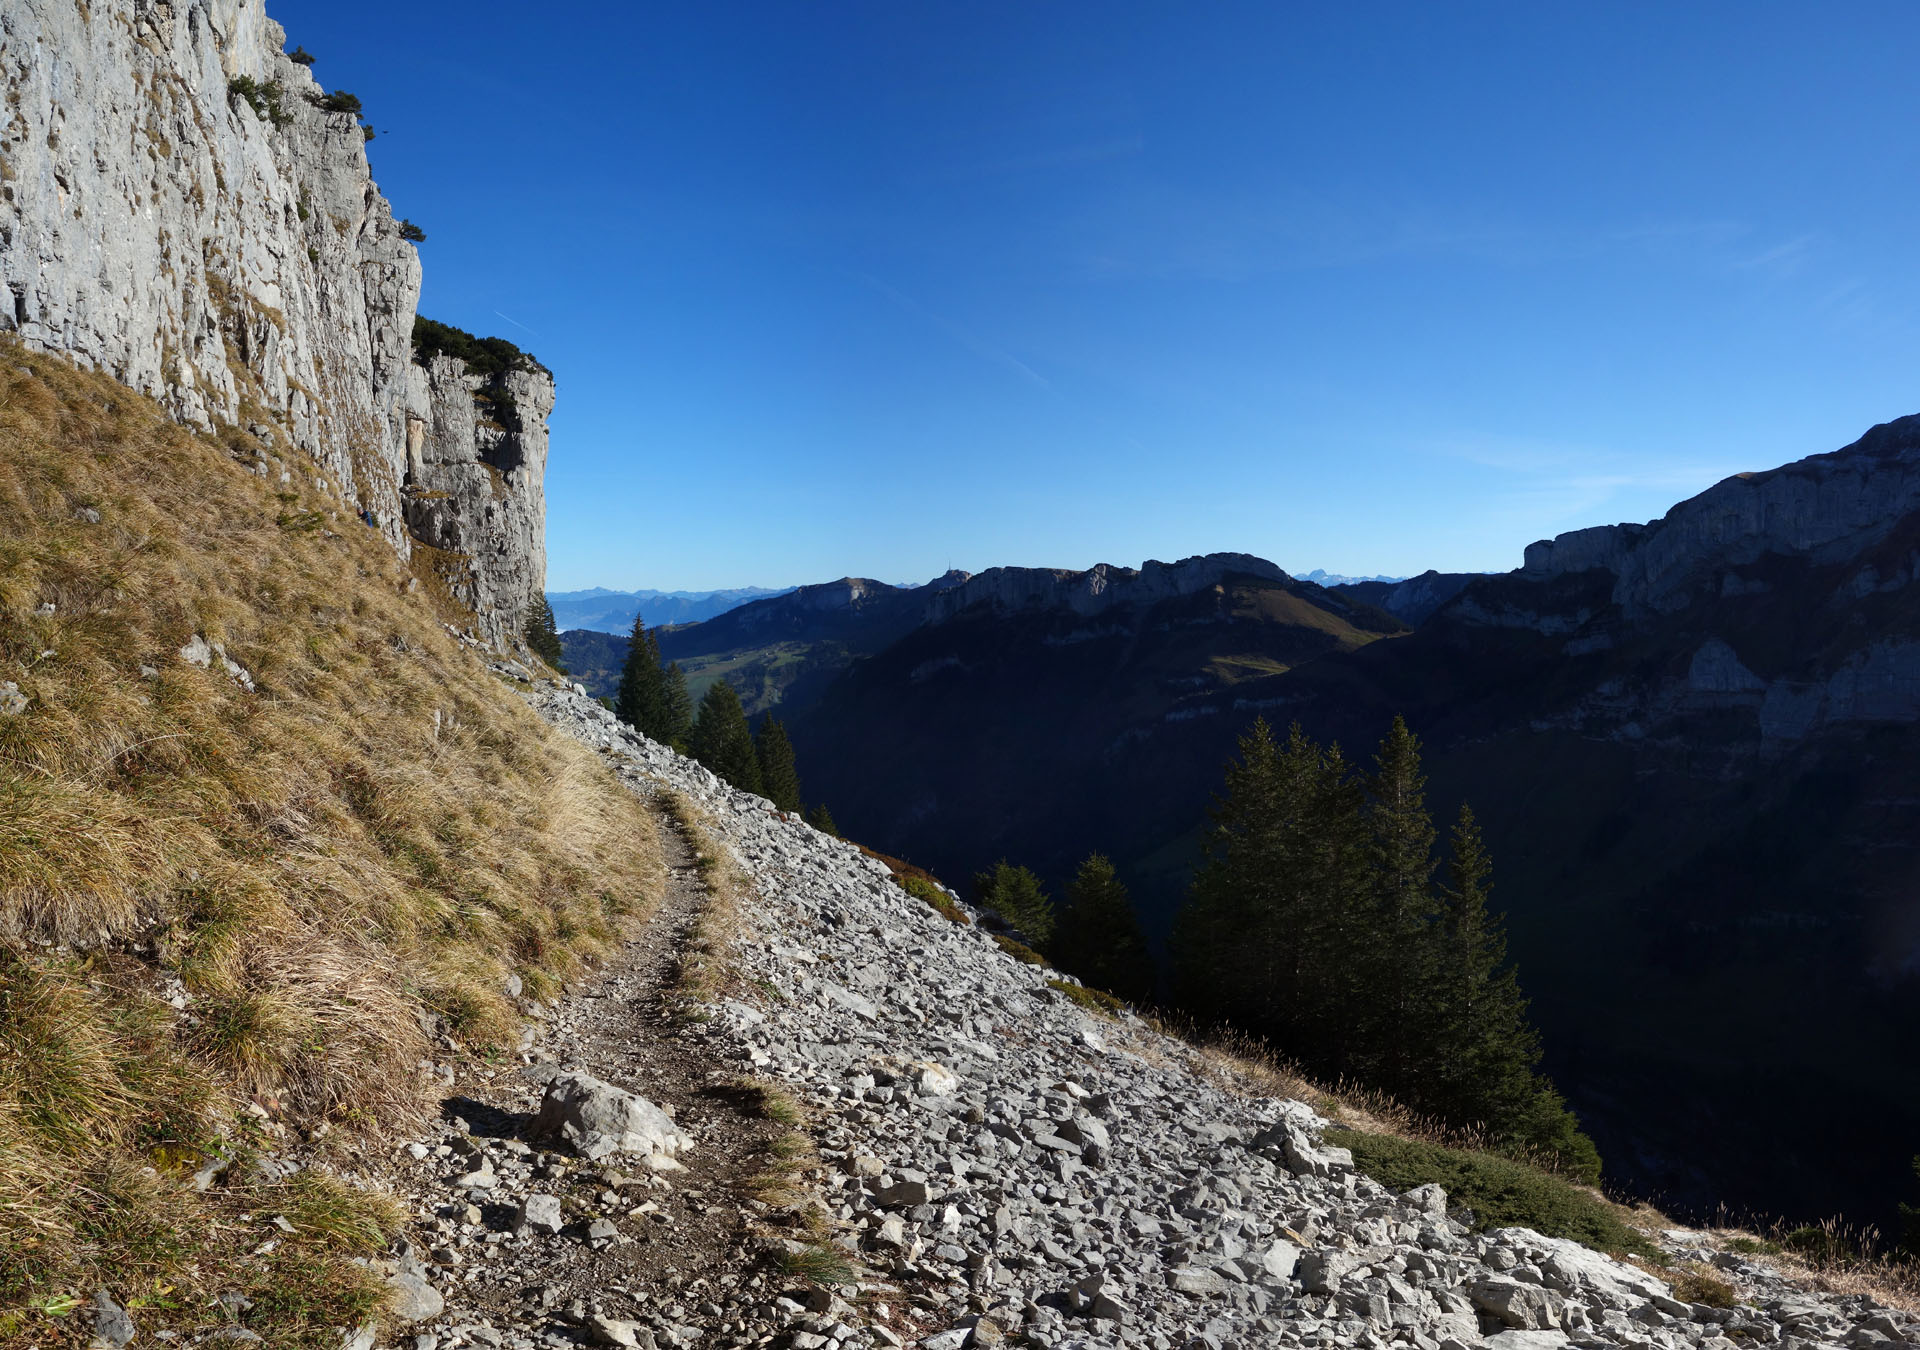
(883, 288)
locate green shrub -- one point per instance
(1093, 1000)
(1818, 1246)
(938, 900)
(1501, 1193)
(488, 357)
(339, 101)
(300, 56)
(264, 99)
(1019, 951)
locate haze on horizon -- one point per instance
(877, 290)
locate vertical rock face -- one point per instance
(473, 484)
(180, 207)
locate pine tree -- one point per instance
(1097, 935)
(1015, 894)
(1401, 944)
(1276, 918)
(541, 634)
(822, 820)
(641, 701)
(676, 721)
(1481, 1048)
(779, 779)
(720, 739)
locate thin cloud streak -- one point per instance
(973, 342)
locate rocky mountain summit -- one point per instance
(184, 206)
(1099, 588)
(998, 1163)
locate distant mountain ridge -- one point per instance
(605, 611)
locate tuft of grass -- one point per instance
(375, 833)
(705, 966)
(770, 1101)
(1501, 1192)
(1019, 951)
(820, 1262)
(1093, 1000)
(1694, 1283)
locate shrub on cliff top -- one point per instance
(489, 357)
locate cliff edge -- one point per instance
(184, 206)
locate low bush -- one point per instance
(1019, 951)
(339, 101)
(1501, 1193)
(1093, 1000)
(936, 899)
(264, 99)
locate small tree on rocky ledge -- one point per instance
(541, 634)
(1015, 894)
(822, 820)
(779, 779)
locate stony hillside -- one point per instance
(967, 1150)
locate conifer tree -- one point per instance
(676, 721)
(822, 820)
(1016, 895)
(1276, 918)
(1400, 963)
(1097, 935)
(779, 779)
(541, 634)
(720, 739)
(641, 701)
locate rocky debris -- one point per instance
(597, 1119)
(12, 701)
(112, 1327)
(207, 655)
(1075, 1180)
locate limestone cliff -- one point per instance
(476, 458)
(1823, 508)
(183, 206)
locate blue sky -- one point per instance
(883, 288)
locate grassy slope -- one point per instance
(379, 833)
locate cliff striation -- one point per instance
(183, 206)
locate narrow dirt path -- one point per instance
(685, 1250)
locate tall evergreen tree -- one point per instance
(1016, 895)
(721, 741)
(822, 820)
(1401, 964)
(1097, 935)
(779, 779)
(676, 722)
(541, 634)
(641, 700)
(1276, 917)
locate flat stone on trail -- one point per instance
(542, 1213)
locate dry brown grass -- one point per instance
(705, 967)
(1834, 1257)
(379, 830)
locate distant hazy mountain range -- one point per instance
(1319, 576)
(605, 611)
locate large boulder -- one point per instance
(596, 1119)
